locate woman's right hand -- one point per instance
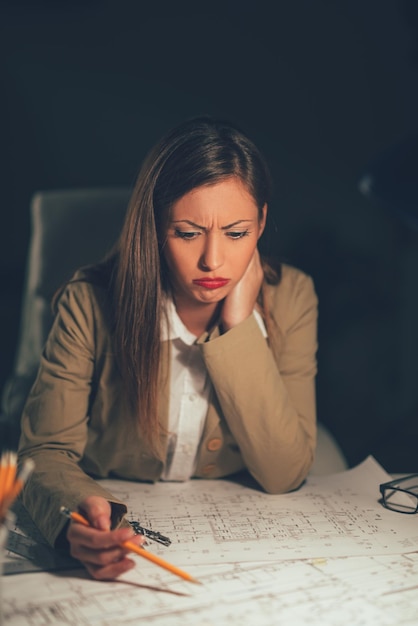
(98, 547)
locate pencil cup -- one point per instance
(4, 531)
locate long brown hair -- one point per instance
(201, 151)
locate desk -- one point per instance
(327, 554)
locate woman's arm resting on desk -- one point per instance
(55, 418)
(267, 393)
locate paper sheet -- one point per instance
(309, 580)
(212, 521)
(369, 591)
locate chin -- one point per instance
(210, 297)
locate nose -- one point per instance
(212, 255)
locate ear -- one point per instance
(262, 222)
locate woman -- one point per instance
(181, 355)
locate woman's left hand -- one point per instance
(239, 303)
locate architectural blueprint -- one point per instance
(327, 554)
(216, 521)
(362, 591)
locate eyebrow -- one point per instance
(227, 227)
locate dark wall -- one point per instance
(322, 87)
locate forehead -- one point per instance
(228, 197)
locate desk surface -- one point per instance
(325, 554)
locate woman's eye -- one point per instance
(186, 234)
(233, 234)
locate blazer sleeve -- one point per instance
(55, 417)
(267, 392)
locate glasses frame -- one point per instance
(393, 486)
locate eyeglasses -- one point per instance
(401, 494)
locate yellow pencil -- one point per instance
(16, 487)
(132, 547)
(10, 473)
(4, 464)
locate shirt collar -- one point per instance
(174, 327)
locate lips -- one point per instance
(211, 283)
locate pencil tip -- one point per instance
(195, 581)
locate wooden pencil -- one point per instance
(14, 487)
(132, 547)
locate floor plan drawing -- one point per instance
(221, 521)
(327, 554)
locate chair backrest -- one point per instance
(69, 228)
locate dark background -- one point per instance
(322, 87)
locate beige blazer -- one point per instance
(76, 424)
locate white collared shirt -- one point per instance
(190, 387)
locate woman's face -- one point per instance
(211, 236)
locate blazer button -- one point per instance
(214, 444)
(208, 468)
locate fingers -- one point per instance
(85, 540)
(98, 547)
(110, 572)
(240, 302)
(100, 551)
(255, 266)
(97, 510)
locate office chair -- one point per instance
(70, 229)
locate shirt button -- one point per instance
(208, 468)
(214, 444)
